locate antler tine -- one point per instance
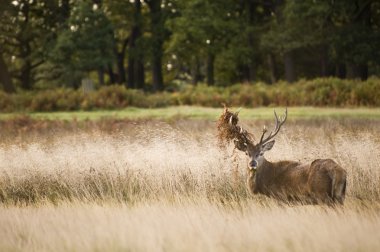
(264, 131)
(279, 122)
(283, 118)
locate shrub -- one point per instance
(6, 102)
(317, 92)
(367, 93)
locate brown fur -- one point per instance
(322, 181)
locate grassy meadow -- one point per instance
(153, 184)
(194, 112)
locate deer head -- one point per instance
(256, 151)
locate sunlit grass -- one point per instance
(168, 187)
(189, 226)
(202, 113)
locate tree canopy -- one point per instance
(156, 44)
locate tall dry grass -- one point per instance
(189, 226)
(155, 186)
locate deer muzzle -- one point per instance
(253, 164)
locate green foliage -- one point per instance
(319, 92)
(47, 44)
(298, 24)
(6, 102)
(86, 45)
(367, 94)
(53, 100)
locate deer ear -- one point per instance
(267, 146)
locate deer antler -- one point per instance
(279, 122)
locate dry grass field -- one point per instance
(166, 186)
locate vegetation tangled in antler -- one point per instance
(228, 131)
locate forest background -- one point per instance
(128, 52)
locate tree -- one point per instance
(158, 32)
(340, 31)
(201, 31)
(25, 32)
(5, 77)
(136, 75)
(86, 45)
(128, 19)
(357, 35)
(215, 41)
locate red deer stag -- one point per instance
(321, 181)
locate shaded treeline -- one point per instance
(156, 44)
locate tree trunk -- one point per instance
(5, 77)
(355, 71)
(131, 55)
(136, 74)
(120, 76)
(363, 18)
(323, 59)
(272, 68)
(139, 74)
(158, 30)
(363, 71)
(290, 75)
(120, 68)
(26, 51)
(158, 83)
(351, 71)
(252, 73)
(111, 74)
(366, 17)
(210, 69)
(26, 71)
(101, 76)
(340, 71)
(195, 71)
(131, 72)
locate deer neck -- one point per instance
(253, 185)
(265, 164)
(251, 181)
